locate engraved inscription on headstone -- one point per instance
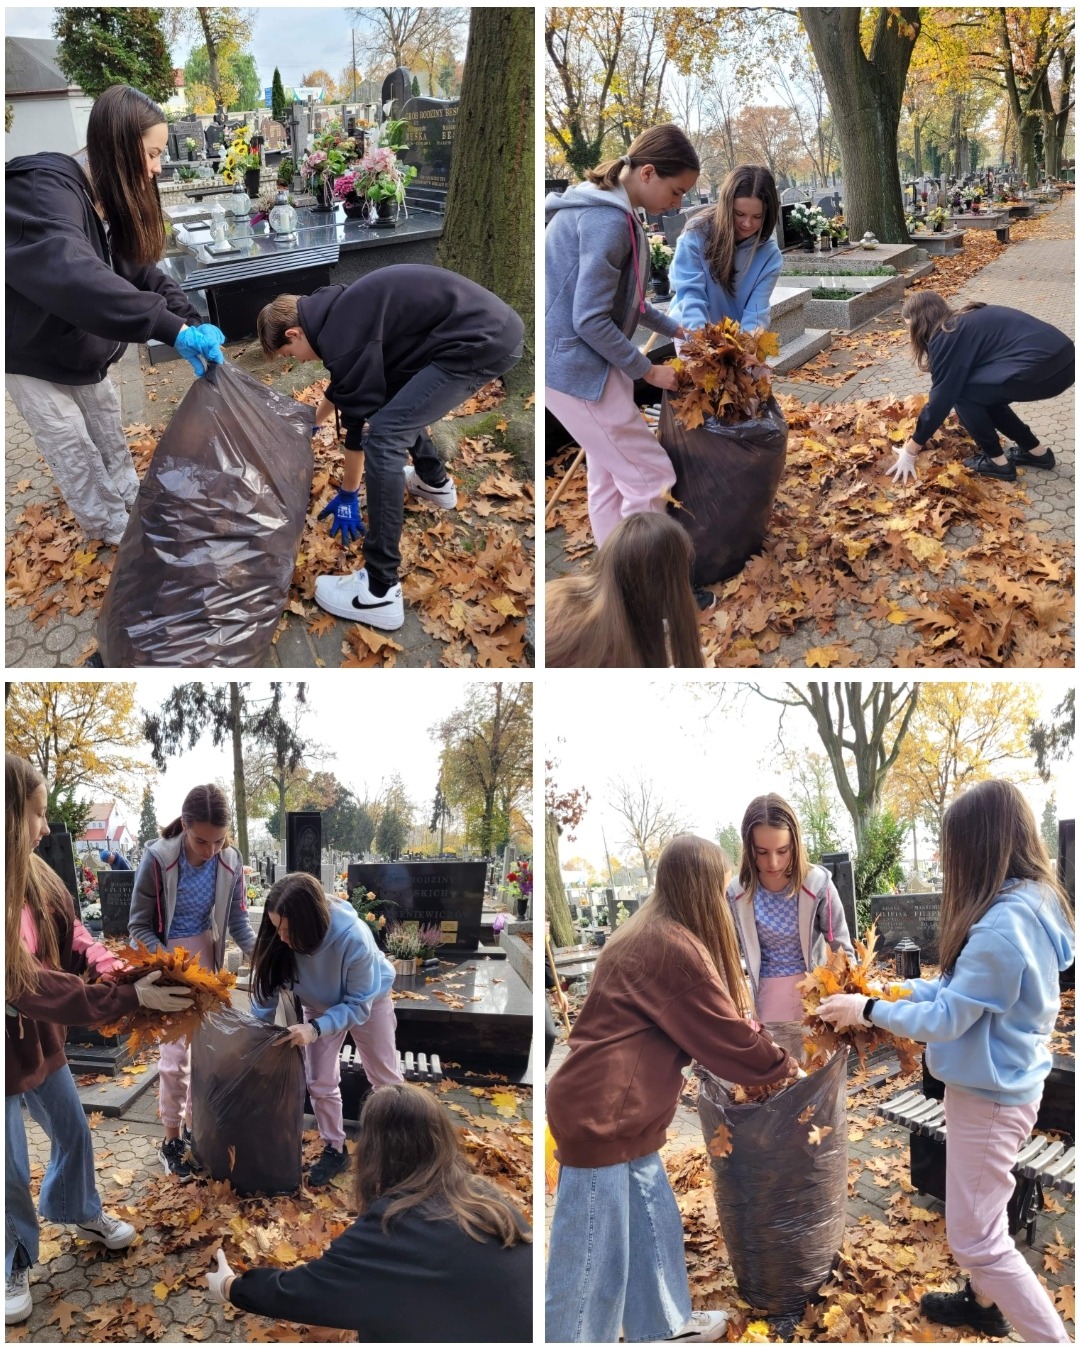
(915, 916)
(115, 889)
(449, 895)
(432, 122)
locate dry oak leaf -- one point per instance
(720, 1144)
(818, 1132)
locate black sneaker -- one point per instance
(192, 1158)
(173, 1155)
(705, 599)
(333, 1161)
(981, 463)
(962, 1309)
(1024, 457)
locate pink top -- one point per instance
(97, 955)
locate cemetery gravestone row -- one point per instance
(917, 917)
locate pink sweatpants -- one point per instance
(174, 1069)
(628, 468)
(984, 1138)
(374, 1041)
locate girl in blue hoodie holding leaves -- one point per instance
(318, 950)
(1006, 933)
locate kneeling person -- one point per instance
(404, 346)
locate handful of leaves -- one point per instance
(759, 1092)
(722, 374)
(144, 1027)
(842, 975)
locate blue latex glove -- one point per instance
(345, 508)
(199, 346)
(211, 338)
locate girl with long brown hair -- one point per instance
(788, 915)
(83, 236)
(727, 260)
(636, 605)
(981, 358)
(1006, 935)
(46, 953)
(319, 953)
(597, 268)
(436, 1254)
(189, 892)
(668, 988)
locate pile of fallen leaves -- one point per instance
(741, 1094)
(145, 1027)
(723, 374)
(842, 974)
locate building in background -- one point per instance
(48, 112)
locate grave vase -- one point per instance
(660, 283)
(386, 214)
(251, 183)
(406, 965)
(324, 195)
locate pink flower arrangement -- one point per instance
(345, 186)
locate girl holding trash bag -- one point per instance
(668, 989)
(727, 259)
(46, 952)
(436, 1254)
(982, 358)
(189, 891)
(788, 915)
(597, 268)
(1006, 933)
(83, 236)
(319, 951)
(635, 607)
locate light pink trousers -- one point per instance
(174, 1068)
(984, 1138)
(628, 468)
(374, 1041)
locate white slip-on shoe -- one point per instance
(349, 598)
(114, 1233)
(702, 1326)
(18, 1304)
(444, 497)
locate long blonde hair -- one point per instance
(692, 877)
(988, 837)
(27, 881)
(771, 810)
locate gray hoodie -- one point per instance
(594, 301)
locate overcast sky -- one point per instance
(707, 764)
(295, 40)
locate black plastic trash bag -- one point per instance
(247, 1103)
(725, 483)
(203, 572)
(781, 1199)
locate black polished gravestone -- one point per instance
(913, 916)
(843, 875)
(303, 842)
(115, 890)
(396, 89)
(431, 123)
(447, 894)
(57, 851)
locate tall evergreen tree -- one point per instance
(114, 45)
(148, 822)
(278, 106)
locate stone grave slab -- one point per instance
(116, 890)
(914, 916)
(939, 242)
(303, 842)
(115, 1097)
(448, 894)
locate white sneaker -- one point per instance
(114, 1233)
(18, 1304)
(349, 598)
(444, 497)
(702, 1326)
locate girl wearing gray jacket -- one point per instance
(597, 268)
(189, 890)
(787, 913)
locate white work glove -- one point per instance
(171, 998)
(218, 1279)
(843, 1011)
(904, 468)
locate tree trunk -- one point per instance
(488, 234)
(866, 94)
(280, 784)
(558, 911)
(918, 149)
(239, 794)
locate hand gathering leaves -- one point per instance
(723, 374)
(143, 1027)
(842, 975)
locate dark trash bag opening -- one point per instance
(781, 1200)
(203, 572)
(247, 1103)
(725, 483)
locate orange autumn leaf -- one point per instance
(819, 1132)
(720, 1144)
(144, 1027)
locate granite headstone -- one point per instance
(303, 842)
(843, 875)
(57, 851)
(447, 894)
(396, 89)
(914, 916)
(431, 126)
(116, 890)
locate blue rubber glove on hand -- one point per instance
(211, 338)
(200, 346)
(345, 508)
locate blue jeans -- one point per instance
(615, 1259)
(68, 1189)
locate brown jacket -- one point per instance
(656, 1003)
(35, 1028)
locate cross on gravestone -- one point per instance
(917, 917)
(115, 890)
(303, 842)
(57, 851)
(449, 895)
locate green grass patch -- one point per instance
(832, 293)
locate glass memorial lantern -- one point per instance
(238, 203)
(283, 218)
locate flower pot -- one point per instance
(190, 155)
(406, 965)
(386, 213)
(939, 228)
(323, 192)
(355, 209)
(251, 183)
(660, 283)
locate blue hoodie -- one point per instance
(700, 299)
(341, 978)
(986, 1025)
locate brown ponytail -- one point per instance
(667, 148)
(927, 313)
(205, 805)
